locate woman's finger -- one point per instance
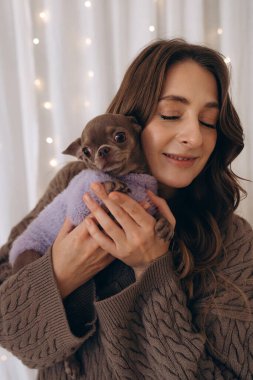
(66, 228)
(101, 239)
(163, 207)
(104, 220)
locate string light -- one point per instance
(53, 162)
(44, 16)
(36, 41)
(219, 31)
(47, 105)
(87, 4)
(86, 104)
(3, 358)
(151, 28)
(227, 60)
(38, 83)
(88, 41)
(49, 140)
(90, 74)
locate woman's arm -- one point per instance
(58, 184)
(148, 328)
(148, 331)
(35, 324)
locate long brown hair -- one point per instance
(203, 209)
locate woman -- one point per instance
(118, 300)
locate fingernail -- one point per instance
(87, 198)
(114, 196)
(96, 186)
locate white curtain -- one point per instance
(61, 63)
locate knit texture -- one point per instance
(41, 233)
(114, 327)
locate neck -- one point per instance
(165, 192)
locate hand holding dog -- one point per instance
(133, 240)
(77, 257)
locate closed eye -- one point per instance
(164, 117)
(208, 125)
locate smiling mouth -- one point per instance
(179, 158)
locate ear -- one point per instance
(74, 149)
(135, 123)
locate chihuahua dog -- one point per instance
(110, 148)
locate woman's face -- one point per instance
(181, 135)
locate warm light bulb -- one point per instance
(86, 104)
(88, 41)
(49, 140)
(44, 16)
(90, 74)
(87, 4)
(151, 28)
(47, 105)
(227, 60)
(3, 358)
(36, 41)
(38, 83)
(53, 162)
(219, 31)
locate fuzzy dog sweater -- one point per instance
(41, 233)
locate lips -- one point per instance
(180, 158)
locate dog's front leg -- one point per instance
(116, 185)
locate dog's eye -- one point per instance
(120, 137)
(87, 151)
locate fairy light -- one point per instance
(88, 41)
(47, 105)
(219, 31)
(53, 162)
(38, 83)
(90, 74)
(87, 4)
(3, 358)
(49, 140)
(227, 60)
(151, 28)
(44, 16)
(86, 104)
(36, 41)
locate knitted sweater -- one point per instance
(120, 328)
(41, 233)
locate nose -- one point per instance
(103, 151)
(190, 132)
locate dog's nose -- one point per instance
(103, 151)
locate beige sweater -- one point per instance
(116, 328)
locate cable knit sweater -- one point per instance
(114, 327)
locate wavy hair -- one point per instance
(203, 209)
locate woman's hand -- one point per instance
(77, 257)
(132, 238)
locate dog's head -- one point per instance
(111, 143)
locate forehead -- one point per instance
(190, 80)
(100, 133)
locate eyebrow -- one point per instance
(183, 100)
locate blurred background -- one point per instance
(62, 62)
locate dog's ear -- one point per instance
(74, 149)
(135, 123)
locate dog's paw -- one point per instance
(116, 186)
(164, 229)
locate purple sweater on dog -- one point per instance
(41, 233)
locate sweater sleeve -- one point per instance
(35, 324)
(148, 329)
(33, 321)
